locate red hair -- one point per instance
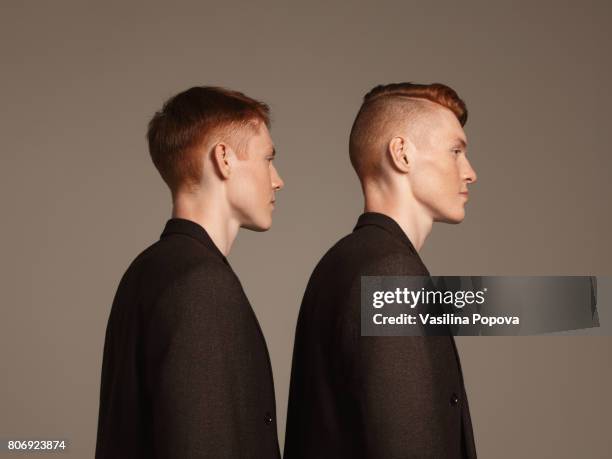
(437, 93)
(383, 106)
(188, 119)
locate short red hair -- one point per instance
(436, 92)
(188, 120)
(380, 108)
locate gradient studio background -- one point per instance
(80, 197)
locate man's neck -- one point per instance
(213, 217)
(408, 214)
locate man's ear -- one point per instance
(220, 158)
(399, 150)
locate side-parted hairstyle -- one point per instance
(383, 105)
(194, 117)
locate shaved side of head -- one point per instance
(405, 109)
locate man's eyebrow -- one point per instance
(462, 142)
(273, 152)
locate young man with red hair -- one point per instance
(374, 397)
(186, 371)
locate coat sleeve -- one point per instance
(392, 382)
(192, 367)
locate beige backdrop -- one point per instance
(80, 197)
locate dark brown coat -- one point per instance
(186, 371)
(371, 397)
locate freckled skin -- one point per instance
(440, 170)
(253, 182)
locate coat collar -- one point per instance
(194, 230)
(388, 224)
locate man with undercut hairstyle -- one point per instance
(186, 371)
(371, 397)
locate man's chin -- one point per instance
(260, 227)
(451, 219)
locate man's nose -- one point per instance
(277, 181)
(469, 174)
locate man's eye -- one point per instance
(457, 151)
